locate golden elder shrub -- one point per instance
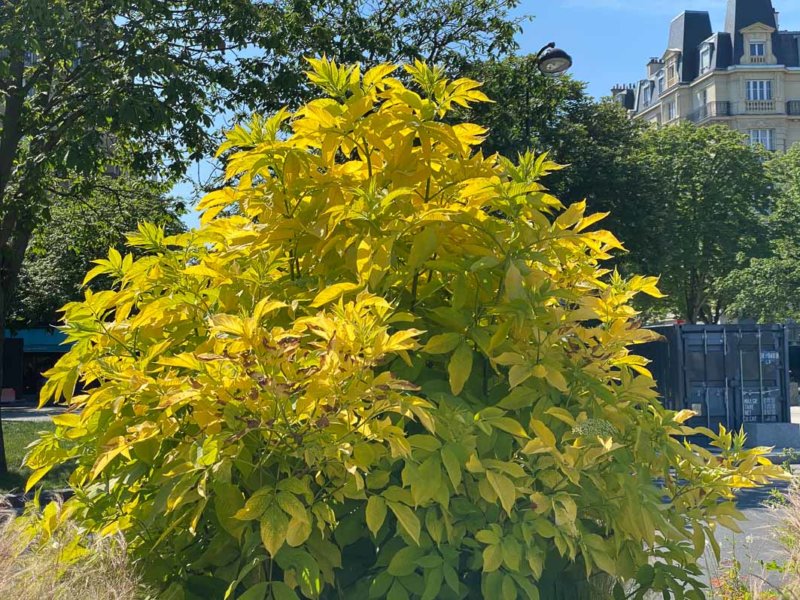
(385, 365)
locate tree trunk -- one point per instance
(3, 462)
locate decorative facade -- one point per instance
(746, 77)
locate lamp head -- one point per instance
(554, 61)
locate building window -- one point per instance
(759, 90)
(702, 98)
(758, 49)
(660, 82)
(671, 113)
(765, 137)
(705, 59)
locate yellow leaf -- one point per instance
(543, 432)
(334, 292)
(425, 244)
(504, 488)
(684, 415)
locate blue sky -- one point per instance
(610, 40)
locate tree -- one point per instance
(77, 76)
(707, 192)
(83, 225)
(397, 369)
(766, 288)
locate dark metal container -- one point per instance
(728, 374)
(12, 365)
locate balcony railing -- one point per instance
(711, 110)
(793, 107)
(759, 106)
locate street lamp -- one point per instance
(553, 61)
(550, 61)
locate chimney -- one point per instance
(654, 66)
(619, 88)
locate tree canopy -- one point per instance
(767, 288)
(706, 196)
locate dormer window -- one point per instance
(660, 82)
(705, 59)
(758, 50)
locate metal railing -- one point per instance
(710, 110)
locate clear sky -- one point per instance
(610, 40)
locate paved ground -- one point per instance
(27, 412)
(757, 545)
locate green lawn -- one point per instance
(17, 436)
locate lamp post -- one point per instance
(550, 61)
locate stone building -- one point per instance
(746, 77)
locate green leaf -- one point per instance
(645, 576)
(433, 583)
(407, 519)
(376, 513)
(443, 343)
(281, 591)
(257, 592)
(460, 367)
(509, 588)
(452, 466)
(274, 527)
(404, 562)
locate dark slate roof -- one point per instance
(788, 49)
(723, 51)
(687, 31)
(743, 13)
(626, 98)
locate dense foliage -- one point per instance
(766, 287)
(397, 370)
(84, 224)
(705, 195)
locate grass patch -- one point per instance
(49, 568)
(18, 435)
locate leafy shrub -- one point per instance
(395, 370)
